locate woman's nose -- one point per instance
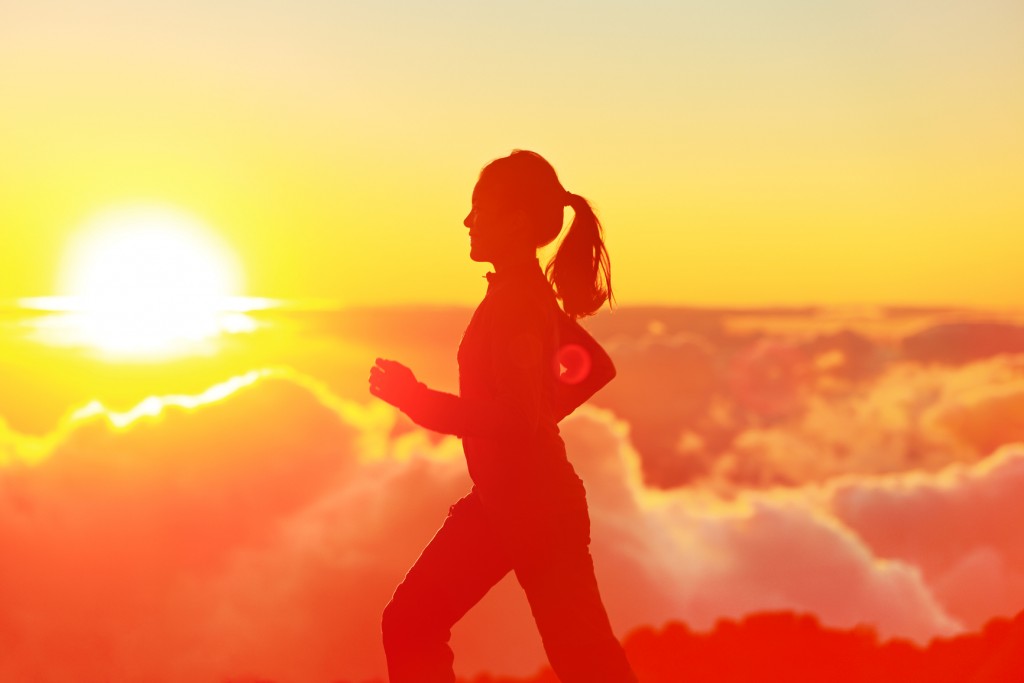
(467, 221)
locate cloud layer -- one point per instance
(259, 531)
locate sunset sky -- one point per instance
(739, 153)
(815, 217)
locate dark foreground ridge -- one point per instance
(783, 647)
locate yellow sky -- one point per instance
(742, 153)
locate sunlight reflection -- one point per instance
(154, 405)
(136, 331)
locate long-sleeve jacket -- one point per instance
(506, 410)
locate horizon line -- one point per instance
(257, 304)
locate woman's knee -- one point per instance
(395, 622)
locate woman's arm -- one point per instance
(516, 364)
(447, 413)
(396, 384)
(519, 368)
(588, 367)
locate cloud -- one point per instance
(982, 404)
(959, 342)
(739, 401)
(911, 418)
(960, 527)
(111, 528)
(259, 530)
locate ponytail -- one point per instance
(581, 270)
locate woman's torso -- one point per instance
(531, 464)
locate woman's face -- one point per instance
(494, 232)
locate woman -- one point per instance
(527, 510)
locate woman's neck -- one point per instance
(515, 262)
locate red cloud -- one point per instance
(960, 527)
(262, 534)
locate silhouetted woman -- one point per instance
(527, 510)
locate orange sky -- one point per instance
(746, 153)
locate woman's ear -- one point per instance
(520, 225)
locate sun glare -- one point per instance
(149, 280)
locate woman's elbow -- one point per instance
(603, 372)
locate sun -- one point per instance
(145, 280)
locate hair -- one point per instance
(580, 271)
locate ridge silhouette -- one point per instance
(527, 510)
(796, 648)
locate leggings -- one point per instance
(546, 546)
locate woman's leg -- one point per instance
(455, 570)
(552, 561)
(572, 621)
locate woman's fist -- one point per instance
(392, 382)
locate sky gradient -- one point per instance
(752, 153)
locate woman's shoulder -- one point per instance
(529, 301)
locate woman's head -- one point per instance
(524, 183)
(518, 207)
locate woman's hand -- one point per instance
(393, 382)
